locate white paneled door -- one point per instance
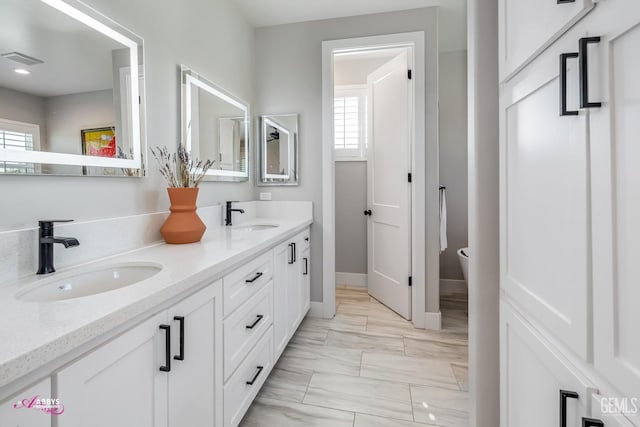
(616, 199)
(389, 190)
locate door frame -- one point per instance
(420, 148)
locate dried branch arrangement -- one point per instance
(179, 169)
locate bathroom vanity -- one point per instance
(190, 345)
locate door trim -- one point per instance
(423, 147)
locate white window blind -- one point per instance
(18, 136)
(350, 130)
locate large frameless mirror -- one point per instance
(215, 126)
(71, 91)
(278, 157)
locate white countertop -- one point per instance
(33, 335)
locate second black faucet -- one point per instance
(227, 220)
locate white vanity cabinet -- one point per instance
(11, 416)
(569, 207)
(160, 373)
(297, 282)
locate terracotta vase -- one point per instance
(183, 225)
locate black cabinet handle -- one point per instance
(256, 277)
(565, 1)
(563, 84)
(306, 266)
(294, 252)
(368, 212)
(591, 422)
(181, 320)
(253, 325)
(167, 348)
(564, 394)
(255, 377)
(584, 72)
(291, 260)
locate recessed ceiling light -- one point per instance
(22, 71)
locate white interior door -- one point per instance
(389, 191)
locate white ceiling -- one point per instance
(264, 13)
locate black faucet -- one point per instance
(227, 220)
(45, 245)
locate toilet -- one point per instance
(463, 256)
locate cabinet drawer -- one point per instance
(527, 27)
(244, 385)
(532, 375)
(240, 285)
(245, 327)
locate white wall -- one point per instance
(351, 224)
(209, 35)
(290, 59)
(453, 156)
(355, 72)
(22, 107)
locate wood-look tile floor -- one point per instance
(368, 367)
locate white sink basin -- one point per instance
(86, 283)
(255, 227)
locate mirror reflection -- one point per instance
(278, 149)
(215, 127)
(68, 102)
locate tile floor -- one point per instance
(368, 367)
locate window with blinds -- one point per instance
(350, 129)
(18, 136)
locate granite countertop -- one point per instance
(34, 335)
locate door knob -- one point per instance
(368, 212)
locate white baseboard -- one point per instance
(351, 279)
(451, 286)
(316, 310)
(433, 321)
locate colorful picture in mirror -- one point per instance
(100, 142)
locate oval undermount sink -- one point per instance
(86, 283)
(256, 227)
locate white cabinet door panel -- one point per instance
(280, 302)
(533, 374)
(192, 380)
(527, 27)
(616, 203)
(27, 417)
(120, 383)
(545, 205)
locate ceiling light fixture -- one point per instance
(22, 71)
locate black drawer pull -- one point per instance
(253, 325)
(294, 252)
(565, 1)
(291, 259)
(167, 348)
(564, 394)
(255, 377)
(306, 266)
(591, 422)
(563, 84)
(181, 320)
(256, 277)
(584, 72)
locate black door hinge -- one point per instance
(409, 74)
(409, 176)
(410, 280)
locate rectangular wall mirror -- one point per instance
(278, 154)
(215, 126)
(71, 91)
